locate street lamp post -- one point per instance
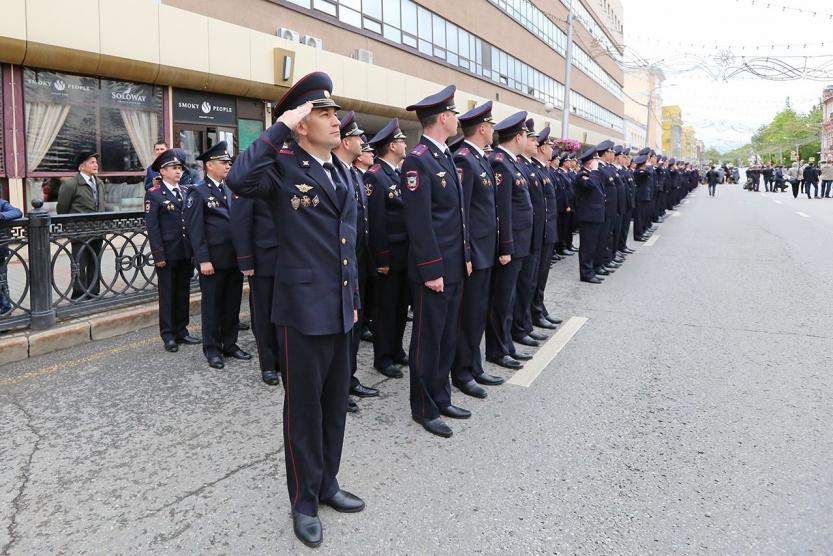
(565, 119)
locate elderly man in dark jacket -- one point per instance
(84, 193)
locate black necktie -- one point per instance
(341, 189)
(177, 195)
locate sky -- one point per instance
(681, 37)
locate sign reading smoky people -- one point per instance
(63, 88)
(204, 108)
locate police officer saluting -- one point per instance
(208, 218)
(590, 213)
(478, 184)
(438, 260)
(316, 296)
(171, 251)
(389, 247)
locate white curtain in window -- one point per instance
(143, 130)
(43, 122)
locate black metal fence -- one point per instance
(57, 267)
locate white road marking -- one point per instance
(544, 356)
(652, 240)
(776, 201)
(804, 215)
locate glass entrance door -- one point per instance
(191, 139)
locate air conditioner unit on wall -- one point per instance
(314, 42)
(289, 34)
(363, 55)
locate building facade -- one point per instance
(672, 131)
(643, 105)
(194, 72)
(827, 123)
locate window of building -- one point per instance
(65, 114)
(407, 23)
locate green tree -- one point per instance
(787, 132)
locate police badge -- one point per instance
(368, 188)
(147, 206)
(295, 201)
(306, 202)
(441, 175)
(498, 179)
(412, 180)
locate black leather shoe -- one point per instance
(642, 238)
(344, 502)
(455, 412)
(506, 362)
(391, 371)
(537, 336)
(243, 326)
(610, 269)
(238, 353)
(171, 345)
(352, 406)
(600, 278)
(527, 341)
(602, 271)
(402, 360)
(553, 319)
(629, 251)
(362, 391)
(216, 362)
(435, 426)
(471, 388)
(367, 335)
(567, 254)
(189, 340)
(592, 280)
(557, 257)
(522, 356)
(489, 380)
(307, 528)
(573, 249)
(272, 378)
(544, 323)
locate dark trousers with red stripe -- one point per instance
(316, 379)
(527, 284)
(390, 316)
(433, 341)
(261, 289)
(467, 360)
(539, 310)
(174, 298)
(499, 326)
(221, 296)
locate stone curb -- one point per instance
(100, 326)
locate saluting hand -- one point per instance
(291, 118)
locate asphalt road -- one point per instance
(690, 414)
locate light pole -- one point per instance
(565, 119)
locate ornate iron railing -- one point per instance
(69, 265)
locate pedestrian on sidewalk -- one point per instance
(712, 177)
(795, 178)
(811, 177)
(7, 212)
(826, 177)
